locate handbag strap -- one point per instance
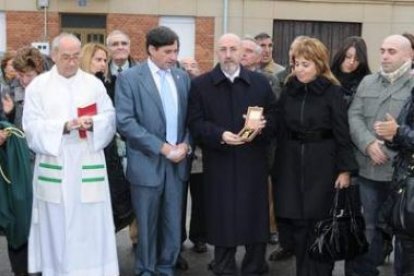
(349, 207)
(336, 210)
(335, 207)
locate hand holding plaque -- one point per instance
(253, 124)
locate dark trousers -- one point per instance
(302, 236)
(254, 262)
(286, 230)
(197, 231)
(372, 195)
(407, 255)
(18, 259)
(356, 205)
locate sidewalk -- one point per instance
(197, 262)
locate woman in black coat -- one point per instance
(314, 154)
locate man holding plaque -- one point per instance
(228, 109)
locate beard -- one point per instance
(229, 67)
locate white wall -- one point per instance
(2, 33)
(185, 29)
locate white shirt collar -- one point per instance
(154, 68)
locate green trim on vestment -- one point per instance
(93, 179)
(93, 167)
(50, 179)
(50, 166)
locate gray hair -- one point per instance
(56, 41)
(114, 33)
(257, 49)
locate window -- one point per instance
(88, 28)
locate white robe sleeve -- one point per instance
(104, 122)
(44, 135)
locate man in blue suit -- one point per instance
(151, 105)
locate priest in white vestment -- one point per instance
(69, 119)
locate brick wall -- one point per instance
(23, 28)
(204, 40)
(136, 26)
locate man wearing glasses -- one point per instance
(119, 44)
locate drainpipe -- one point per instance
(225, 15)
(45, 23)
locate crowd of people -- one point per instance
(107, 142)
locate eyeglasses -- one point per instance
(117, 43)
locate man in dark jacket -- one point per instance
(235, 170)
(119, 46)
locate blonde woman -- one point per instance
(94, 60)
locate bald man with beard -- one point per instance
(235, 170)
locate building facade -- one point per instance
(200, 22)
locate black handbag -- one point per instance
(341, 236)
(402, 214)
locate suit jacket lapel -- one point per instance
(151, 88)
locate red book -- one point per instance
(88, 110)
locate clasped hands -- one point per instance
(233, 139)
(81, 123)
(385, 130)
(175, 153)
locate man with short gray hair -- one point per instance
(119, 46)
(250, 58)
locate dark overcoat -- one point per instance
(235, 176)
(304, 173)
